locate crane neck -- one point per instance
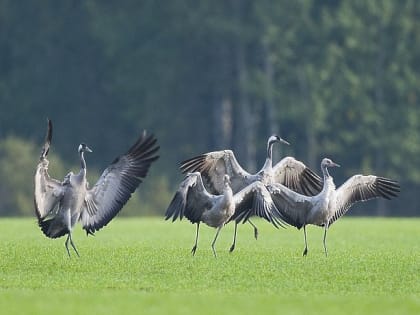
(325, 172)
(328, 181)
(82, 160)
(269, 160)
(228, 193)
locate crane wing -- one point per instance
(116, 184)
(362, 188)
(213, 166)
(255, 199)
(292, 206)
(190, 200)
(48, 191)
(297, 176)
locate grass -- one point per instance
(143, 265)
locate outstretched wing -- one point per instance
(213, 166)
(48, 191)
(116, 184)
(296, 176)
(362, 188)
(255, 200)
(292, 206)
(190, 200)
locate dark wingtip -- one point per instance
(388, 188)
(48, 137)
(142, 153)
(47, 141)
(314, 180)
(90, 231)
(52, 230)
(176, 207)
(193, 164)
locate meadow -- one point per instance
(144, 266)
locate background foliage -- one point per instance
(334, 78)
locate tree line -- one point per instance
(334, 78)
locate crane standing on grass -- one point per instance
(331, 203)
(194, 202)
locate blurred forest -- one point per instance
(335, 78)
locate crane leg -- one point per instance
(72, 245)
(214, 241)
(234, 238)
(196, 240)
(325, 239)
(255, 229)
(305, 251)
(67, 245)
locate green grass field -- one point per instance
(144, 266)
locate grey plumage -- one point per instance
(330, 204)
(288, 171)
(60, 204)
(193, 201)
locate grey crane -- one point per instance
(194, 202)
(60, 204)
(288, 171)
(330, 204)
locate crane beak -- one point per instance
(284, 141)
(88, 149)
(336, 165)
